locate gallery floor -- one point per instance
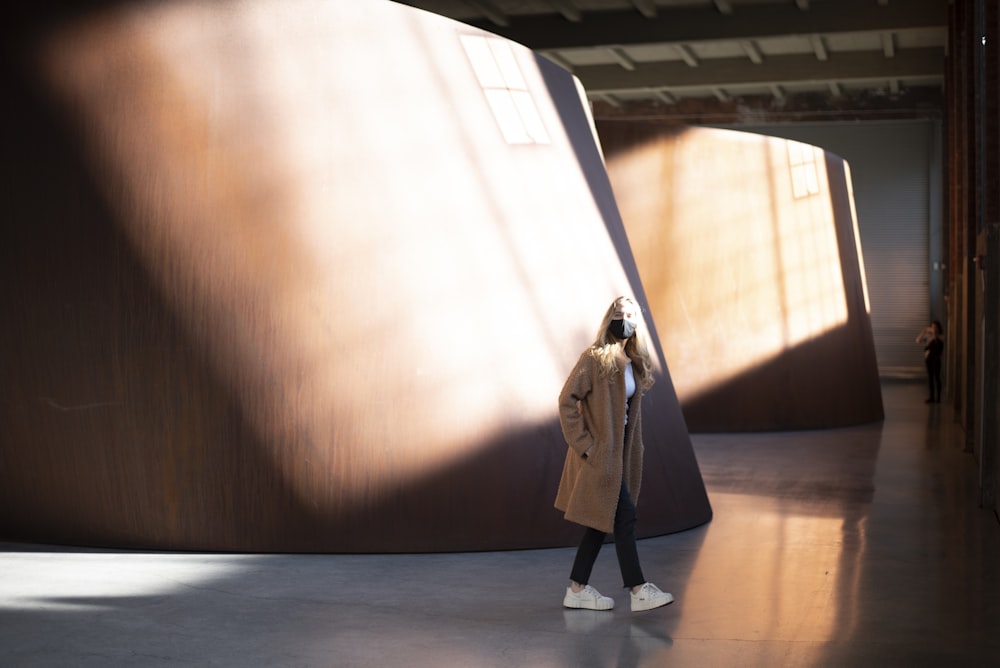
(854, 547)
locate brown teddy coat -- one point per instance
(601, 446)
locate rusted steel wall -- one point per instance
(271, 284)
(748, 251)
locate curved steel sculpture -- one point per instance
(748, 249)
(280, 287)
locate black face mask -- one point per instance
(622, 329)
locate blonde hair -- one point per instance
(608, 349)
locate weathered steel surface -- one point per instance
(272, 285)
(747, 250)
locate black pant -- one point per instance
(934, 379)
(628, 554)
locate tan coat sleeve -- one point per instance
(575, 391)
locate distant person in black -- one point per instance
(933, 344)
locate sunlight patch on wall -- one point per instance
(375, 273)
(809, 263)
(736, 233)
(500, 76)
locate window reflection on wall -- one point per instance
(506, 92)
(736, 239)
(802, 164)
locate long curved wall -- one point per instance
(748, 249)
(273, 286)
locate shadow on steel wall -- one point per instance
(257, 302)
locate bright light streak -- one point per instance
(381, 281)
(736, 242)
(788, 555)
(503, 83)
(857, 236)
(73, 581)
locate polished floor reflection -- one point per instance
(854, 547)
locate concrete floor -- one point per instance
(854, 547)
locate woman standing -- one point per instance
(599, 410)
(933, 344)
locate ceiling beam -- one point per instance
(723, 72)
(819, 47)
(559, 60)
(723, 6)
(701, 23)
(622, 58)
(663, 96)
(645, 7)
(686, 54)
(888, 44)
(569, 11)
(610, 99)
(493, 13)
(753, 53)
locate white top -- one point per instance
(629, 387)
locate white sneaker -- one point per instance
(588, 598)
(650, 597)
